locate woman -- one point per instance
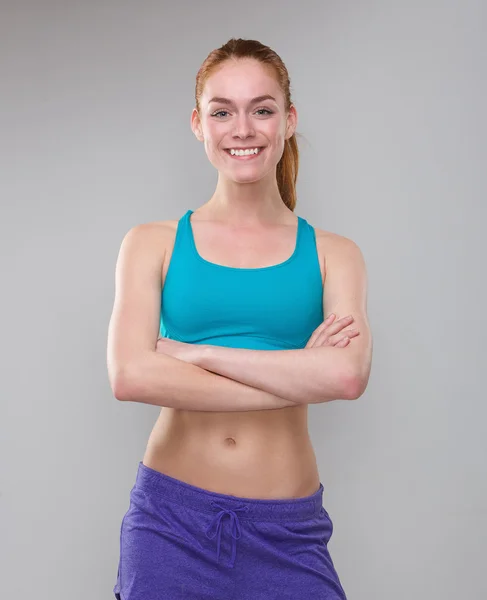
(228, 501)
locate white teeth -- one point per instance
(244, 152)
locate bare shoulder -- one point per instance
(155, 234)
(331, 239)
(155, 228)
(146, 244)
(337, 249)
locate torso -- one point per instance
(263, 454)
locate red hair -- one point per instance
(287, 167)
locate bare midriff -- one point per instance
(264, 454)
(254, 454)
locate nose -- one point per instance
(243, 127)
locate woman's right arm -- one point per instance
(136, 371)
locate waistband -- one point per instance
(202, 500)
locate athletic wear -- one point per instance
(269, 308)
(181, 542)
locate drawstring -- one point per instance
(234, 528)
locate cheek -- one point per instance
(277, 134)
(213, 147)
(213, 139)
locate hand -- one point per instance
(190, 353)
(327, 334)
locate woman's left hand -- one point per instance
(190, 353)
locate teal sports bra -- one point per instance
(268, 308)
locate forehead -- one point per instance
(241, 80)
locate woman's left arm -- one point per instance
(317, 374)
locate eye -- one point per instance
(259, 110)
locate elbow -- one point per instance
(355, 386)
(121, 384)
(353, 390)
(128, 377)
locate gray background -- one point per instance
(95, 137)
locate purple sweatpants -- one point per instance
(179, 541)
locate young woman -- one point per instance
(228, 502)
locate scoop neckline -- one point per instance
(281, 264)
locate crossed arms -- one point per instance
(317, 374)
(231, 378)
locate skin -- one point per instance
(247, 192)
(330, 333)
(223, 451)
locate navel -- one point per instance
(229, 441)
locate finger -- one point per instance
(326, 339)
(321, 327)
(342, 343)
(339, 325)
(349, 333)
(333, 329)
(329, 319)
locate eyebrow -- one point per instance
(253, 101)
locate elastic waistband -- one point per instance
(199, 499)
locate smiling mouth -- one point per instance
(245, 156)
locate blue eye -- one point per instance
(259, 110)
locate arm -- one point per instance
(298, 375)
(318, 374)
(166, 381)
(136, 372)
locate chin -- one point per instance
(246, 175)
(250, 178)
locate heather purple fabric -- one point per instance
(180, 542)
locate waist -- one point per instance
(156, 484)
(250, 454)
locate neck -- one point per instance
(247, 204)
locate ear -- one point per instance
(292, 121)
(196, 125)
